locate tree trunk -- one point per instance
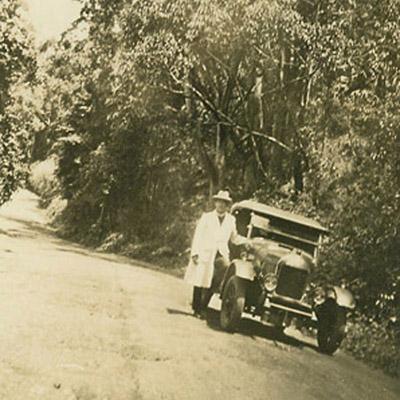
(210, 166)
(220, 157)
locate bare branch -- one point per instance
(215, 58)
(271, 56)
(226, 120)
(258, 158)
(170, 90)
(300, 78)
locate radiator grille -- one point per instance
(291, 282)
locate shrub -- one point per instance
(43, 180)
(114, 242)
(375, 343)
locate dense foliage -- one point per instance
(16, 64)
(151, 106)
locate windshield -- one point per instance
(288, 241)
(289, 233)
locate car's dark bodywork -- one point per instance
(274, 274)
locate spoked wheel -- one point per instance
(331, 327)
(233, 300)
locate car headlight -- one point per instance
(270, 282)
(319, 295)
(246, 256)
(330, 293)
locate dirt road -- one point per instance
(79, 325)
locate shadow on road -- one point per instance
(26, 229)
(249, 328)
(254, 329)
(173, 311)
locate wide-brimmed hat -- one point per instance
(223, 195)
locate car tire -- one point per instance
(233, 301)
(331, 326)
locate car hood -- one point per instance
(269, 252)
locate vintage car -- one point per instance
(271, 278)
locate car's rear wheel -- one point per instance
(233, 300)
(331, 326)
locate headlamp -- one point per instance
(246, 256)
(319, 295)
(270, 282)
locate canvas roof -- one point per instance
(278, 213)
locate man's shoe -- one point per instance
(203, 314)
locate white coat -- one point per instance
(209, 238)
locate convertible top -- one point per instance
(278, 213)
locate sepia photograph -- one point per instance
(199, 199)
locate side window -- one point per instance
(242, 221)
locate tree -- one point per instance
(259, 96)
(293, 102)
(16, 61)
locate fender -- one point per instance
(344, 298)
(240, 268)
(243, 269)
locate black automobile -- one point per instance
(271, 280)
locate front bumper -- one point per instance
(289, 305)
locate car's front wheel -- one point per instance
(331, 327)
(233, 300)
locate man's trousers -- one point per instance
(202, 296)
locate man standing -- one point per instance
(210, 251)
